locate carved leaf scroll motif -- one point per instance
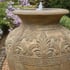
(40, 46)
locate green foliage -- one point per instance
(2, 9)
(65, 21)
(53, 3)
(15, 0)
(57, 3)
(34, 2)
(4, 23)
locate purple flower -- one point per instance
(10, 3)
(2, 0)
(24, 2)
(10, 7)
(9, 14)
(15, 19)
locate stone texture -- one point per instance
(40, 43)
(2, 51)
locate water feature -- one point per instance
(40, 42)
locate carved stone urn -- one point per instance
(40, 42)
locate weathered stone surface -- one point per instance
(39, 44)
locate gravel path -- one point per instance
(2, 52)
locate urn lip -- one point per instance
(45, 11)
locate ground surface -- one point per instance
(2, 52)
(5, 65)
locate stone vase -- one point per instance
(40, 42)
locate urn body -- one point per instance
(39, 43)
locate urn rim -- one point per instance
(45, 11)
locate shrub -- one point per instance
(4, 23)
(57, 3)
(34, 2)
(65, 21)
